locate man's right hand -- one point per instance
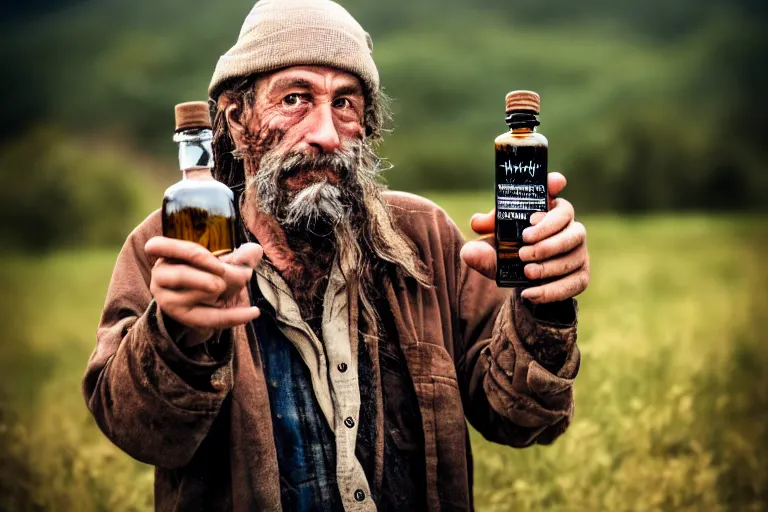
(197, 289)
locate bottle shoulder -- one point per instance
(198, 186)
(522, 139)
(209, 195)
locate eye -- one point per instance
(293, 100)
(341, 103)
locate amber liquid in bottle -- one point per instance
(521, 185)
(198, 208)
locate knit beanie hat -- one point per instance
(282, 33)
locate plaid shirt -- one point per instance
(203, 417)
(304, 441)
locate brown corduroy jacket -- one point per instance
(472, 351)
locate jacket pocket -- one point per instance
(401, 408)
(444, 426)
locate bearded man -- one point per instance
(330, 362)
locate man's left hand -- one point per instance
(555, 248)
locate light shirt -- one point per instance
(337, 391)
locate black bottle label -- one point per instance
(521, 190)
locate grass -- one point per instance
(671, 411)
(672, 407)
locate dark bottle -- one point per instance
(521, 184)
(198, 208)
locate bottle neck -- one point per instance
(522, 121)
(197, 174)
(195, 151)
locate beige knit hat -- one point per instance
(282, 33)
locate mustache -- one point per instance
(343, 162)
(326, 199)
(353, 211)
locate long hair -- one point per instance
(374, 243)
(230, 170)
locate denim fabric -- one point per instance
(304, 441)
(142, 388)
(303, 438)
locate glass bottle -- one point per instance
(198, 208)
(521, 184)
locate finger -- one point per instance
(564, 288)
(184, 251)
(237, 275)
(481, 256)
(555, 183)
(554, 221)
(177, 303)
(563, 242)
(537, 217)
(183, 277)
(557, 267)
(239, 268)
(483, 223)
(204, 317)
(247, 255)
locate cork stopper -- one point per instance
(523, 100)
(192, 114)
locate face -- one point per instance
(303, 138)
(306, 156)
(307, 111)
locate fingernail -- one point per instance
(531, 294)
(527, 234)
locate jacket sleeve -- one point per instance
(516, 361)
(150, 398)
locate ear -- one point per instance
(236, 119)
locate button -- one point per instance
(359, 495)
(349, 422)
(342, 367)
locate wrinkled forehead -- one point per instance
(314, 79)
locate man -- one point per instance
(330, 362)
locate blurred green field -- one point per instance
(672, 407)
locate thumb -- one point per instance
(481, 256)
(239, 268)
(248, 255)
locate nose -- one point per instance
(322, 134)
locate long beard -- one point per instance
(349, 209)
(320, 203)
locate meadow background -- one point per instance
(655, 111)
